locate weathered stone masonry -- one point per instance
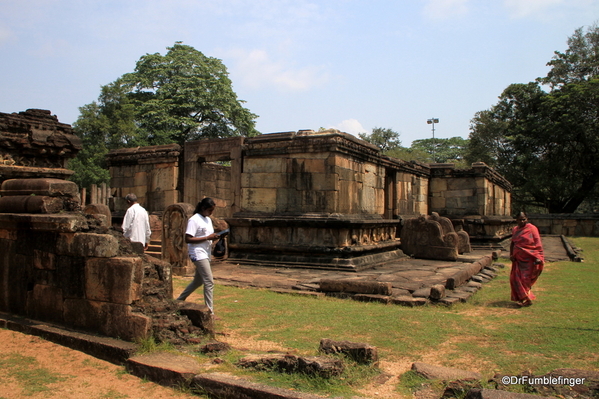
(61, 265)
(326, 199)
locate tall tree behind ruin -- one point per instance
(546, 143)
(172, 98)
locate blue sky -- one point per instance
(303, 64)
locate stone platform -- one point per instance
(411, 280)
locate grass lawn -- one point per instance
(486, 334)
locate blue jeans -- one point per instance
(203, 276)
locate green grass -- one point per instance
(486, 334)
(27, 373)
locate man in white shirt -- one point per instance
(136, 225)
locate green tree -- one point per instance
(546, 143)
(172, 98)
(580, 62)
(450, 150)
(385, 139)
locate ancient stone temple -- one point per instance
(325, 199)
(315, 199)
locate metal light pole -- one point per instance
(432, 121)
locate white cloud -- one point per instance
(256, 69)
(443, 9)
(524, 8)
(351, 126)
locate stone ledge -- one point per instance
(62, 223)
(167, 369)
(105, 348)
(228, 387)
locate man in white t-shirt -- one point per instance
(136, 224)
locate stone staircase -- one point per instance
(155, 249)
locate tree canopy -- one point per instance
(546, 143)
(172, 98)
(385, 139)
(450, 150)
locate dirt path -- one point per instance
(31, 367)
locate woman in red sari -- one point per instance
(526, 253)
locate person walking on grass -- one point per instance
(198, 236)
(526, 254)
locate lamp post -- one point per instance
(432, 121)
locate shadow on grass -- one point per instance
(504, 304)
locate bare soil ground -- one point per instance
(35, 368)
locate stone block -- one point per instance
(356, 286)
(29, 240)
(84, 314)
(457, 184)
(361, 353)
(116, 280)
(372, 298)
(437, 292)
(8, 234)
(263, 180)
(225, 386)
(409, 300)
(462, 276)
(313, 365)
(164, 368)
(45, 303)
(140, 179)
(70, 273)
(87, 244)
(42, 187)
(199, 315)
(113, 320)
(31, 204)
(438, 185)
(265, 165)
(424, 292)
(259, 199)
(44, 260)
(100, 210)
(444, 373)
(163, 178)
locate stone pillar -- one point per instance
(174, 248)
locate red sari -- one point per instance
(527, 261)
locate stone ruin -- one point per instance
(68, 266)
(433, 237)
(33, 144)
(312, 199)
(298, 199)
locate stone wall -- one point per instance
(322, 197)
(475, 191)
(572, 224)
(151, 173)
(325, 173)
(51, 270)
(212, 168)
